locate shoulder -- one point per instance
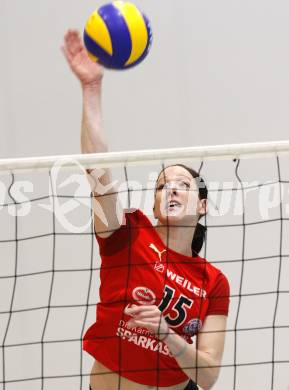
(221, 284)
(214, 274)
(219, 292)
(134, 215)
(220, 280)
(126, 234)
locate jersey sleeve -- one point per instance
(219, 297)
(122, 237)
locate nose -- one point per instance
(174, 191)
(173, 188)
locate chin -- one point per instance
(175, 218)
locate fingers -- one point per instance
(72, 42)
(136, 310)
(147, 314)
(128, 309)
(66, 53)
(142, 315)
(147, 323)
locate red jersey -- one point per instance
(138, 268)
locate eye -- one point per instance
(160, 187)
(185, 184)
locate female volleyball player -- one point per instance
(156, 293)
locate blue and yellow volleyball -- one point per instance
(118, 35)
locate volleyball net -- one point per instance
(49, 260)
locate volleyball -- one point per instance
(118, 35)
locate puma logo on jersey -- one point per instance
(154, 248)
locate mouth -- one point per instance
(173, 205)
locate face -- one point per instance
(177, 197)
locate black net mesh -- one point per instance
(49, 270)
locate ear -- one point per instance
(202, 207)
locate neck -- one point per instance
(177, 238)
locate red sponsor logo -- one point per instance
(144, 296)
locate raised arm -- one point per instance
(107, 209)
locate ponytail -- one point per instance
(198, 239)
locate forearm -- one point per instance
(198, 365)
(92, 136)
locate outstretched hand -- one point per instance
(87, 71)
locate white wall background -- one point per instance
(218, 72)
